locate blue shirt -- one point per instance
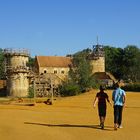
(118, 96)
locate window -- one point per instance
(55, 71)
(62, 72)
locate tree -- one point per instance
(31, 62)
(81, 72)
(123, 63)
(132, 62)
(114, 61)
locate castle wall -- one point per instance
(16, 61)
(18, 85)
(17, 72)
(54, 70)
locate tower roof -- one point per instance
(98, 51)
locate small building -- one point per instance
(56, 65)
(105, 78)
(51, 71)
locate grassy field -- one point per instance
(70, 118)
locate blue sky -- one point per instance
(61, 27)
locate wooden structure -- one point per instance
(51, 71)
(45, 86)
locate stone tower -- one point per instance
(97, 58)
(17, 72)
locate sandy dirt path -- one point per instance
(71, 118)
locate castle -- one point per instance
(59, 66)
(48, 73)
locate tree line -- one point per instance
(123, 63)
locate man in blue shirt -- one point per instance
(118, 98)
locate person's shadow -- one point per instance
(108, 128)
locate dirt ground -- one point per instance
(70, 118)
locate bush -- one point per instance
(132, 87)
(68, 89)
(31, 92)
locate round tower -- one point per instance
(97, 59)
(17, 72)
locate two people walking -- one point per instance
(118, 97)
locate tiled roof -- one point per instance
(102, 75)
(53, 61)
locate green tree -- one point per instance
(114, 61)
(80, 75)
(132, 62)
(123, 63)
(81, 72)
(31, 62)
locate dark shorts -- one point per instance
(102, 110)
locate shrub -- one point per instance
(132, 87)
(69, 89)
(31, 92)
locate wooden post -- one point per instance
(34, 90)
(51, 89)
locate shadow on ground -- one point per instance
(108, 128)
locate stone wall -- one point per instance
(98, 65)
